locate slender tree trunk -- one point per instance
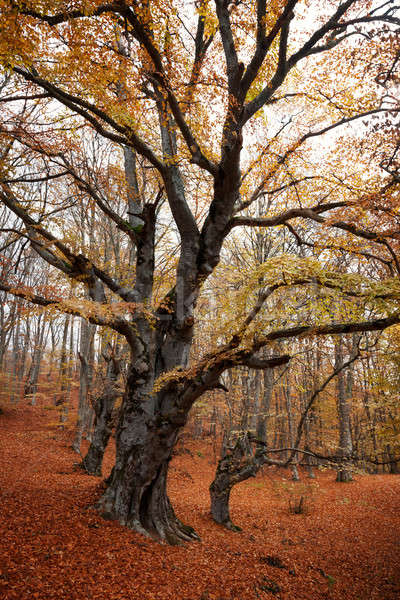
(371, 417)
(246, 400)
(86, 339)
(308, 459)
(24, 353)
(345, 441)
(265, 405)
(89, 414)
(314, 360)
(198, 426)
(256, 399)
(68, 378)
(59, 397)
(53, 350)
(31, 384)
(291, 434)
(16, 357)
(2, 329)
(7, 324)
(393, 464)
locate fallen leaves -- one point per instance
(53, 547)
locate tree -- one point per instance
(240, 461)
(103, 408)
(154, 79)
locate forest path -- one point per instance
(52, 546)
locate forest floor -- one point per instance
(53, 546)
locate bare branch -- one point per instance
(75, 265)
(264, 42)
(91, 113)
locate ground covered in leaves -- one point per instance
(54, 546)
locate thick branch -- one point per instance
(107, 210)
(282, 218)
(205, 374)
(314, 215)
(310, 47)
(117, 323)
(73, 14)
(329, 329)
(144, 38)
(231, 58)
(264, 42)
(332, 23)
(265, 363)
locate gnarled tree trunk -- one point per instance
(136, 494)
(237, 464)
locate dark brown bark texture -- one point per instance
(104, 411)
(146, 434)
(237, 464)
(136, 494)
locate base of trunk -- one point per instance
(295, 473)
(144, 508)
(229, 525)
(344, 476)
(219, 495)
(310, 473)
(93, 461)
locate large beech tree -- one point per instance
(222, 103)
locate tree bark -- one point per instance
(150, 421)
(7, 324)
(85, 377)
(265, 405)
(16, 356)
(345, 441)
(59, 398)
(103, 408)
(237, 464)
(31, 384)
(291, 434)
(136, 494)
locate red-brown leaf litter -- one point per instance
(346, 545)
